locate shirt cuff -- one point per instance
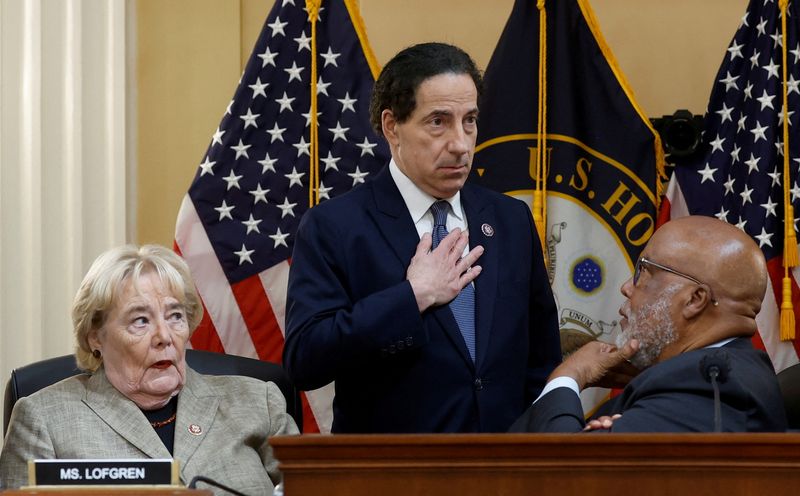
(563, 381)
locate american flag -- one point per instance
(739, 177)
(236, 224)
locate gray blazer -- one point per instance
(86, 417)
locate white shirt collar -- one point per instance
(417, 201)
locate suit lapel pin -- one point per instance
(487, 230)
(195, 429)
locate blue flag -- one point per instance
(601, 158)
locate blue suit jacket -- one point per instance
(352, 317)
(673, 396)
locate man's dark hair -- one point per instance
(397, 84)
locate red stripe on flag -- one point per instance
(205, 336)
(259, 317)
(309, 421)
(758, 343)
(664, 212)
(775, 269)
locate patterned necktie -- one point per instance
(463, 306)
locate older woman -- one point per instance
(132, 316)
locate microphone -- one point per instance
(715, 368)
(212, 482)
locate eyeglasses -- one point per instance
(637, 271)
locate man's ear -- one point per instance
(389, 126)
(699, 299)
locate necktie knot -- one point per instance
(439, 211)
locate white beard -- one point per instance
(653, 327)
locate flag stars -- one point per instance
(277, 26)
(224, 211)
(324, 191)
(287, 208)
(232, 180)
(795, 191)
(249, 119)
(207, 167)
(722, 214)
(279, 238)
(294, 72)
(770, 207)
(741, 223)
(766, 100)
(252, 224)
(730, 81)
(729, 185)
(759, 132)
(707, 173)
(294, 177)
(741, 124)
(777, 39)
(241, 150)
(725, 113)
(748, 91)
(307, 115)
(772, 69)
(244, 255)
(745, 194)
(267, 58)
(347, 102)
(366, 147)
(285, 102)
(735, 50)
(764, 238)
(752, 163)
(716, 144)
(276, 133)
(776, 177)
(258, 88)
(735, 154)
(217, 138)
(358, 176)
(782, 115)
(259, 194)
(338, 131)
(322, 87)
(302, 147)
(792, 84)
(762, 27)
(796, 53)
(303, 42)
(754, 59)
(267, 164)
(330, 162)
(330, 58)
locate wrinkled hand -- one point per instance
(437, 276)
(602, 423)
(600, 364)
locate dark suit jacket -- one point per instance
(352, 317)
(673, 396)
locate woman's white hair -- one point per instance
(104, 282)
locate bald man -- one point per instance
(690, 304)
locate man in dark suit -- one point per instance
(691, 307)
(385, 297)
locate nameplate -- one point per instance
(102, 472)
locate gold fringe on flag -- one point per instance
(540, 191)
(789, 236)
(313, 6)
